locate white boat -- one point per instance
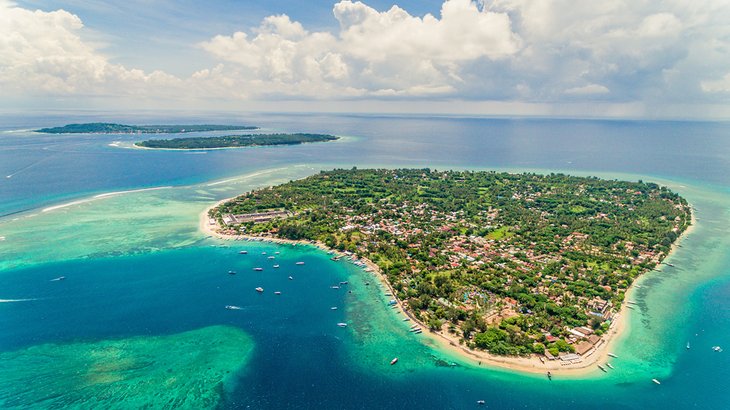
(394, 361)
(300, 263)
(290, 278)
(687, 345)
(277, 252)
(656, 381)
(276, 266)
(342, 324)
(609, 365)
(231, 272)
(333, 308)
(277, 293)
(603, 369)
(334, 287)
(58, 279)
(481, 402)
(233, 307)
(243, 252)
(717, 348)
(259, 289)
(258, 269)
(263, 253)
(613, 355)
(271, 257)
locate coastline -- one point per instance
(444, 341)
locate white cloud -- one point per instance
(717, 86)
(590, 89)
(629, 53)
(376, 53)
(43, 53)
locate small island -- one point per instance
(235, 141)
(498, 264)
(111, 128)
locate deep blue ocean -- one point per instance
(135, 265)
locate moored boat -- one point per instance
(603, 369)
(243, 252)
(342, 324)
(258, 269)
(277, 293)
(394, 361)
(612, 355)
(656, 381)
(300, 263)
(259, 289)
(610, 366)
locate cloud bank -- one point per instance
(529, 51)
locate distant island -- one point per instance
(110, 128)
(235, 141)
(509, 264)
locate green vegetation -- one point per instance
(109, 128)
(513, 263)
(235, 141)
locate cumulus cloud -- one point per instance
(374, 53)
(528, 51)
(43, 53)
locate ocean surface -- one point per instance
(139, 316)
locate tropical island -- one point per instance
(111, 128)
(235, 141)
(519, 265)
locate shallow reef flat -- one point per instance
(187, 370)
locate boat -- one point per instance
(290, 278)
(231, 272)
(656, 381)
(549, 375)
(277, 252)
(342, 324)
(613, 355)
(687, 345)
(58, 279)
(481, 402)
(259, 289)
(258, 269)
(610, 366)
(333, 308)
(603, 369)
(277, 293)
(344, 283)
(670, 265)
(233, 307)
(334, 287)
(717, 349)
(243, 252)
(263, 253)
(300, 263)
(406, 319)
(271, 257)
(276, 266)
(394, 361)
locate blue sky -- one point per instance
(610, 58)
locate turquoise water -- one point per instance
(138, 273)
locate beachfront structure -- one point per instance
(257, 217)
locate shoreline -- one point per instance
(444, 341)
